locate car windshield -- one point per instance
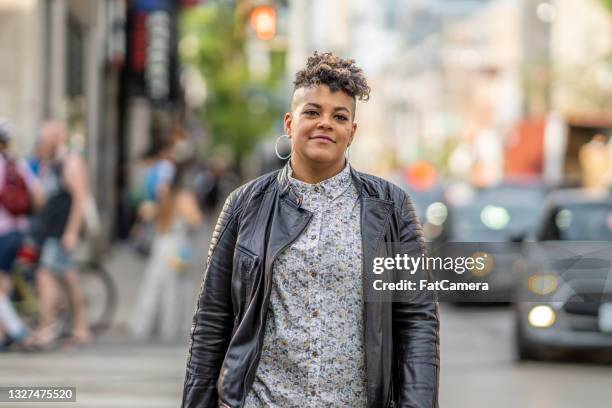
(580, 222)
(496, 216)
(467, 226)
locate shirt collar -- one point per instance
(332, 187)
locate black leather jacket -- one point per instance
(258, 221)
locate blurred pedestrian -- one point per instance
(282, 318)
(159, 169)
(208, 183)
(20, 194)
(141, 171)
(161, 173)
(160, 300)
(64, 177)
(206, 188)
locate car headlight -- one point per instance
(543, 284)
(436, 213)
(495, 217)
(542, 316)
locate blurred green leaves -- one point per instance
(239, 108)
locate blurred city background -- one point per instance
(481, 109)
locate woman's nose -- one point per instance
(324, 122)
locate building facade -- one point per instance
(61, 60)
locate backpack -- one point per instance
(14, 194)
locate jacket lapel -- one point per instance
(288, 221)
(375, 215)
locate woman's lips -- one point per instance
(322, 139)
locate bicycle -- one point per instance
(97, 284)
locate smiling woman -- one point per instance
(321, 122)
(282, 319)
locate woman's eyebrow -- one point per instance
(337, 108)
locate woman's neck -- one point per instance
(313, 174)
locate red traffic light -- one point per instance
(263, 21)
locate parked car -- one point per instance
(494, 220)
(564, 299)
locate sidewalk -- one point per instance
(127, 270)
(105, 375)
(115, 371)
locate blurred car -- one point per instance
(497, 218)
(432, 210)
(514, 208)
(564, 300)
(503, 213)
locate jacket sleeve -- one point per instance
(416, 331)
(213, 319)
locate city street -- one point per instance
(478, 367)
(126, 124)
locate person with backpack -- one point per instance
(161, 173)
(63, 175)
(155, 180)
(20, 194)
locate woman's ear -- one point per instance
(353, 132)
(288, 122)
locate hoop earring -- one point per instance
(276, 148)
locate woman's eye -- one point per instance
(341, 117)
(310, 112)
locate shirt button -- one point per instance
(313, 393)
(313, 274)
(313, 237)
(315, 313)
(315, 354)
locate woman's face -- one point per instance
(320, 126)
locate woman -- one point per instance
(281, 318)
(161, 297)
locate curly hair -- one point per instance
(339, 74)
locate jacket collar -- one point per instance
(331, 188)
(286, 190)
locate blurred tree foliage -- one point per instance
(607, 4)
(239, 109)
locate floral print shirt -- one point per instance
(313, 349)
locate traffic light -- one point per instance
(263, 21)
